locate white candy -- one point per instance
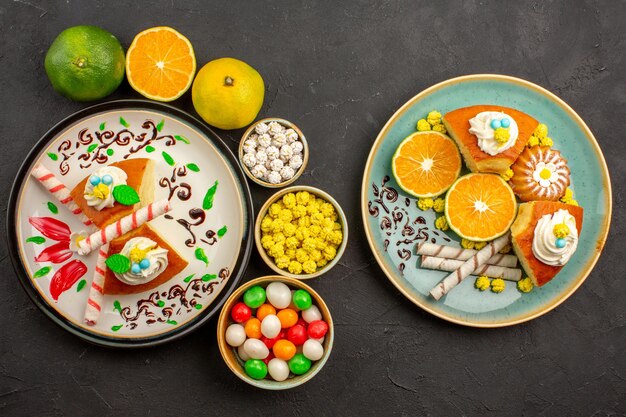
(278, 294)
(249, 149)
(242, 353)
(249, 160)
(274, 177)
(276, 165)
(261, 157)
(279, 140)
(313, 350)
(235, 335)
(311, 314)
(261, 128)
(272, 152)
(259, 171)
(253, 136)
(256, 349)
(268, 166)
(270, 326)
(276, 128)
(291, 135)
(319, 340)
(287, 173)
(296, 161)
(286, 151)
(265, 140)
(278, 369)
(297, 147)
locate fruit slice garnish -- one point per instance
(480, 207)
(160, 64)
(426, 164)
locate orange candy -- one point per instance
(284, 349)
(287, 317)
(253, 328)
(265, 310)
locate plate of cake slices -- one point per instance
(130, 223)
(486, 200)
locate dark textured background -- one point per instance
(338, 70)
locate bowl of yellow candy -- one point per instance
(301, 232)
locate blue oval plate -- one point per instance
(394, 224)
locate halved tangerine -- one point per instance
(480, 207)
(160, 63)
(426, 164)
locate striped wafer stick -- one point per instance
(96, 292)
(448, 252)
(123, 226)
(469, 266)
(59, 191)
(494, 271)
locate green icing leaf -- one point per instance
(102, 126)
(36, 239)
(208, 277)
(110, 152)
(53, 208)
(207, 203)
(81, 285)
(168, 158)
(187, 279)
(92, 147)
(53, 156)
(193, 167)
(149, 149)
(160, 125)
(201, 256)
(222, 231)
(118, 263)
(172, 322)
(116, 328)
(42, 272)
(125, 195)
(117, 306)
(198, 306)
(182, 139)
(124, 122)
(160, 303)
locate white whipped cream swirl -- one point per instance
(156, 256)
(119, 178)
(544, 241)
(481, 127)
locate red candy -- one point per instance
(317, 329)
(240, 312)
(269, 358)
(270, 342)
(297, 335)
(302, 323)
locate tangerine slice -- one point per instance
(160, 64)
(426, 164)
(480, 207)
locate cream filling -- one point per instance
(480, 126)
(544, 242)
(156, 256)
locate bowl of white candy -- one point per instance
(273, 152)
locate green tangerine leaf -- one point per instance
(222, 231)
(92, 147)
(116, 328)
(198, 306)
(124, 122)
(187, 279)
(201, 256)
(207, 203)
(168, 158)
(172, 322)
(193, 167)
(160, 303)
(53, 156)
(118, 263)
(110, 152)
(208, 277)
(149, 149)
(182, 139)
(53, 208)
(125, 195)
(117, 306)
(42, 272)
(38, 240)
(160, 125)
(81, 285)
(102, 126)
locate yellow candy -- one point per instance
(295, 267)
(497, 285)
(422, 125)
(439, 127)
(291, 242)
(302, 233)
(277, 250)
(285, 215)
(101, 191)
(315, 230)
(316, 255)
(532, 141)
(541, 131)
(321, 263)
(434, 117)
(267, 241)
(568, 196)
(467, 244)
(303, 197)
(304, 221)
(482, 283)
(327, 209)
(282, 262)
(546, 141)
(329, 253)
(308, 244)
(336, 238)
(317, 219)
(507, 175)
(266, 224)
(137, 255)
(560, 230)
(277, 225)
(302, 255)
(336, 226)
(309, 267)
(275, 210)
(290, 253)
(479, 245)
(299, 211)
(501, 135)
(441, 223)
(425, 203)
(525, 285)
(439, 205)
(278, 237)
(289, 229)
(289, 200)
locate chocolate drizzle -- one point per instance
(182, 190)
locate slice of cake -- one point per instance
(545, 236)
(490, 137)
(94, 194)
(151, 261)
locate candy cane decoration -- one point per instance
(96, 293)
(123, 226)
(469, 266)
(460, 254)
(490, 270)
(59, 191)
